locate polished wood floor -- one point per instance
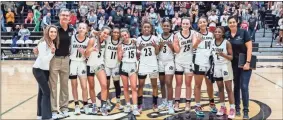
(19, 91)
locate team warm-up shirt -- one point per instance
(203, 51)
(217, 59)
(97, 57)
(166, 54)
(185, 55)
(75, 45)
(129, 52)
(111, 56)
(148, 56)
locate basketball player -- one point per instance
(148, 65)
(112, 66)
(222, 56)
(202, 52)
(78, 66)
(166, 66)
(127, 52)
(183, 62)
(95, 51)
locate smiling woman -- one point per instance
(241, 43)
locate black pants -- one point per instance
(43, 100)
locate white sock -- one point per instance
(198, 104)
(223, 104)
(164, 100)
(232, 106)
(128, 103)
(170, 102)
(135, 106)
(118, 100)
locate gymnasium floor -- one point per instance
(19, 94)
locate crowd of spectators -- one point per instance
(131, 14)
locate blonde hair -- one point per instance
(48, 39)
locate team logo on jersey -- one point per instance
(171, 68)
(83, 72)
(225, 73)
(260, 110)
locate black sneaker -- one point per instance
(238, 113)
(246, 115)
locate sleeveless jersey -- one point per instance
(75, 45)
(166, 54)
(203, 51)
(185, 55)
(111, 57)
(97, 57)
(217, 59)
(148, 56)
(129, 52)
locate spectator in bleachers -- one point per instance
(29, 17)
(253, 22)
(280, 24)
(92, 18)
(10, 19)
(19, 10)
(84, 20)
(101, 23)
(153, 17)
(117, 19)
(102, 13)
(224, 19)
(135, 23)
(3, 28)
(176, 22)
(46, 8)
(245, 25)
(36, 18)
(57, 8)
(24, 33)
(46, 20)
(127, 18)
(110, 22)
(73, 19)
(194, 15)
(83, 9)
(161, 10)
(169, 6)
(7, 5)
(213, 21)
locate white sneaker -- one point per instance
(65, 113)
(94, 110)
(104, 110)
(108, 106)
(171, 110)
(119, 106)
(176, 107)
(56, 116)
(162, 106)
(278, 44)
(77, 110)
(39, 117)
(136, 111)
(188, 107)
(86, 109)
(127, 108)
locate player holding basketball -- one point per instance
(127, 54)
(222, 56)
(183, 62)
(166, 66)
(95, 51)
(112, 66)
(78, 66)
(148, 65)
(202, 52)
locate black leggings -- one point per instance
(43, 99)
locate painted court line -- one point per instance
(18, 105)
(268, 80)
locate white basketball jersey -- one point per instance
(166, 54)
(148, 56)
(111, 57)
(129, 52)
(75, 45)
(217, 59)
(97, 57)
(203, 51)
(185, 55)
